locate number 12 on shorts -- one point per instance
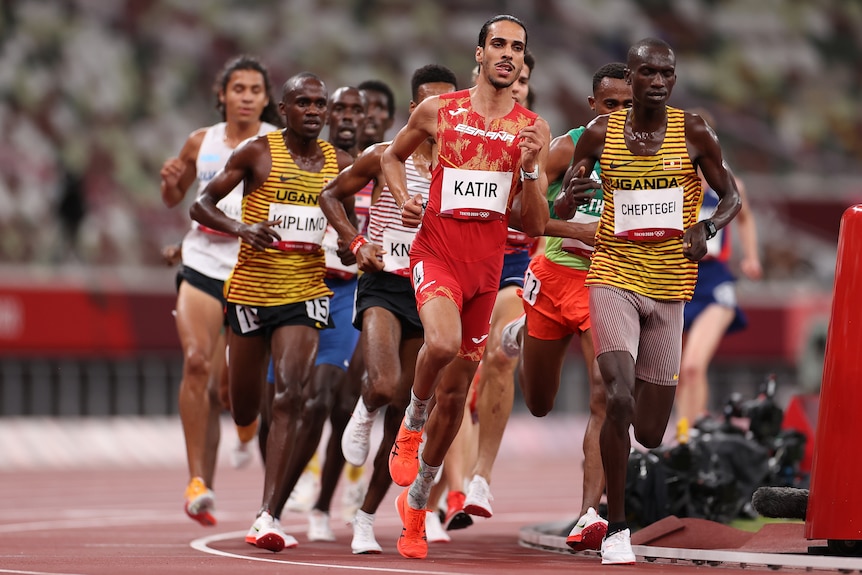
(532, 286)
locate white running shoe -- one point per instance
(509, 343)
(363, 535)
(352, 497)
(617, 549)
(588, 532)
(240, 455)
(271, 536)
(305, 492)
(318, 526)
(434, 532)
(478, 501)
(356, 440)
(251, 536)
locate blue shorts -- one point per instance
(715, 285)
(514, 267)
(337, 344)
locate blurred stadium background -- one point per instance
(94, 96)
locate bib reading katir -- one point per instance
(475, 194)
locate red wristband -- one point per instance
(357, 243)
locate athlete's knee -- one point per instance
(442, 348)
(381, 387)
(651, 437)
(539, 405)
(317, 406)
(537, 400)
(288, 400)
(620, 408)
(196, 365)
(496, 363)
(691, 372)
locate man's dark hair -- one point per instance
(530, 61)
(634, 51)
(382, 88)
(483, 33)
(616, 70)
(245, 62)
(430, 74)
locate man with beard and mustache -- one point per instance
(488, 150)
(385, 305)
(277, 300)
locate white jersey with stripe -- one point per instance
(208, 252)
(385, 228)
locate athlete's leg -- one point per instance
(618, 373)
(702, 340)
(199, 319)
(294, 349)
(539, 371)
(393, 416)
(594, 475)
(496, 394)
(333, 463)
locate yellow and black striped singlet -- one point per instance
(656, 269)
(274, 277)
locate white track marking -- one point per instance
(202, 544)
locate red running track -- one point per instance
(129, 520)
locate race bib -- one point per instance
(247, 318)
(648, 215)
(333, 262)
(301, 228)
(475, 194)
(532, 287)
(396, 247)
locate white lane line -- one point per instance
(202, 544)
(17, 572)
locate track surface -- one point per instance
(105, 497)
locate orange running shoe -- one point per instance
(412, 543)
(200, 502)
(404, 458)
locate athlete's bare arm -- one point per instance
(578, 188)
(559, 157)
(705, 152)
(179, 173)
(348, 183)
(421, 125)
(337, 198)
(250, 163)
(534, 142)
